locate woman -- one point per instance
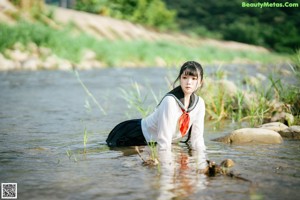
(180, 113)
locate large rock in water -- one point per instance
(252, 135)
(292, 132)
(275, 126)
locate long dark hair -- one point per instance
(191, 68)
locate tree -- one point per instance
(277, 28)
(147, 12)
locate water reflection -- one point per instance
(177, 176)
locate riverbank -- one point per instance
(65, 39)
(63, 55)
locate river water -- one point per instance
(44, 116)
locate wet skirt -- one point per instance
(127, 133)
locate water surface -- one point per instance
(43, 116)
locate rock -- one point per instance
(18, 55)
(89, 55)
(292, 132)
(261, 77)
(227, 86)
(283, 117)
(33, 48)
(251, 135)
(89, 64)
(213, 169)
(275, 126)
(254, 81)
(160, 62)
(278, 106)
(285, 72)
(6, 64)
(227, 163)
(250, 99)
(45, 52)
(251, 80)
(31, 64)
(51, 62)
(64, 65)
(18, 46)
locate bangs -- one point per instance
(190, 71)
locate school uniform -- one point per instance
(169, 123)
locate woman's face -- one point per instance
(189, 83)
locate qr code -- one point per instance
(9, 190)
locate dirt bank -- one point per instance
(113, 29)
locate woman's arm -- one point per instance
(197, 139)
(167, 122)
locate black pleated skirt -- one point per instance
(127, 133)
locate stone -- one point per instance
(251, 135)
(33, 48)
(64, 65)
(227, 163)
(6, 64)
(51, 62)
(261, 77)
(275, 126)
(227, 86)
(283, 117)
(89, 55)
(293, 132)
(31, 64)
(18, 55)
(160, 62)
(45, 52)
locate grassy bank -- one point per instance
(245, 103)
(70, 46)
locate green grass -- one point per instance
(69, 45)
(252, 104)
(255, 104)
(136, 101)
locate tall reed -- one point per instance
(85, 139)
(89, 93)
(135, 99)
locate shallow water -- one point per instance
(43, 116)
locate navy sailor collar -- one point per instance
(178, 95)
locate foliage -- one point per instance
(275, 27)
(135, 100)
(254, 105)
(147, 12)
(92, 6)
(116, 53)
(296, 64)
(60, 41)
(16, 2)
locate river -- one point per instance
(44, 116)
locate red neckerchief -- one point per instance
(184, 119)
(183, 122)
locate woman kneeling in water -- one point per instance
(180, 113)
